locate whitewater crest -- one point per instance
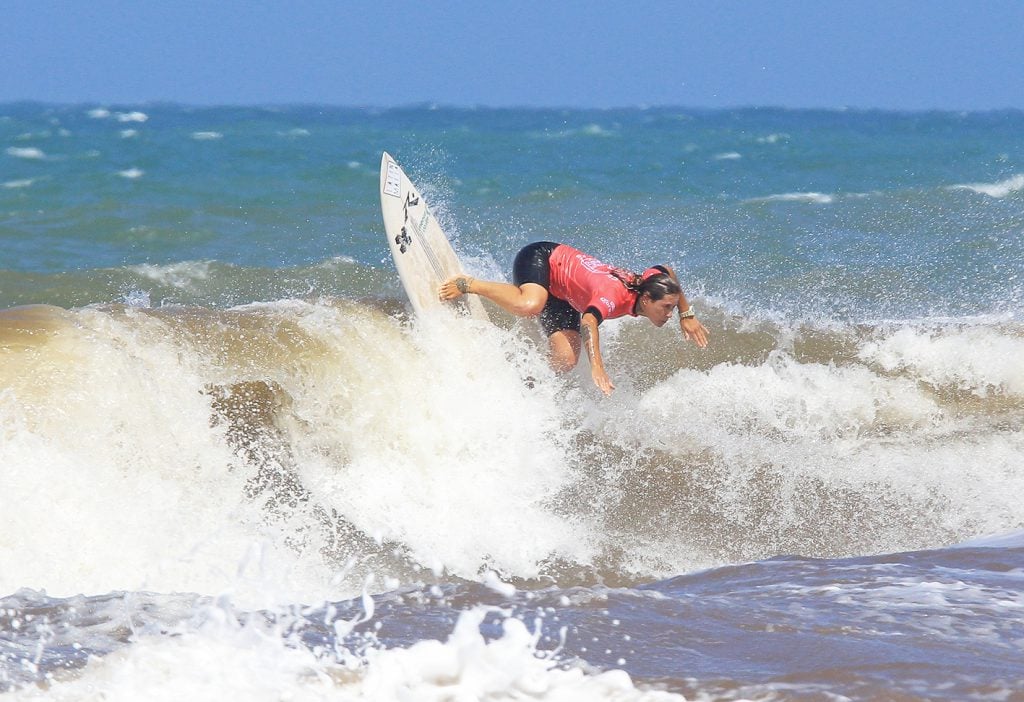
(314, 443)
(998, 189)
(221, 656)
(187, 437)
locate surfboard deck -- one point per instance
(423, 255)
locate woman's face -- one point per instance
(658, 311)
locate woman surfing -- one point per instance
(573, 293)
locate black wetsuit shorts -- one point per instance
(532, 265)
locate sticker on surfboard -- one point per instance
(393, 180)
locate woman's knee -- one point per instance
(532, 298)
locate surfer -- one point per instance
(573, 293)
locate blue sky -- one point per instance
(892, 54)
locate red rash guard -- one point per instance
(589, 285)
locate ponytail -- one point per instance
(656, 286)
(629, 279)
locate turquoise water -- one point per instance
(232, 459)
(849, 214)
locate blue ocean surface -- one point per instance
(234, 462)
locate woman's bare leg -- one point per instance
(526, 300)
(564, 346)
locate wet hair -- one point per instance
(656, 286)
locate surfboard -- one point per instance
(423, 255)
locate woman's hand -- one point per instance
(694, 331)
(601, 380)
(454, 288)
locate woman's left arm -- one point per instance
(592, 343)
(688, 323)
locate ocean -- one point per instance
(233, 462)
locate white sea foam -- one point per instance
(159, 498)
(804, 401)
(773, 438)
(595, 130)
(728, 156)
(131, 116)
(15, 184)
(812, 197)
(132, 173)
(223, 659)
(999, 189)
(424, 446)
(336, 262)
(1012, 539)
(98, 113)
(981, 359)
(438, 462)
(137, 298)
(129, 133)
(592, 130)
(207, 136)
(147, 492)
(182, 275)
(297, 132)
(493, 581)
(26, 152)
(772, 138)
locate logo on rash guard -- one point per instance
(590, 263)
(609, 304)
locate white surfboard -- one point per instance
(423, 256)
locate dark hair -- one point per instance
(656, 286)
